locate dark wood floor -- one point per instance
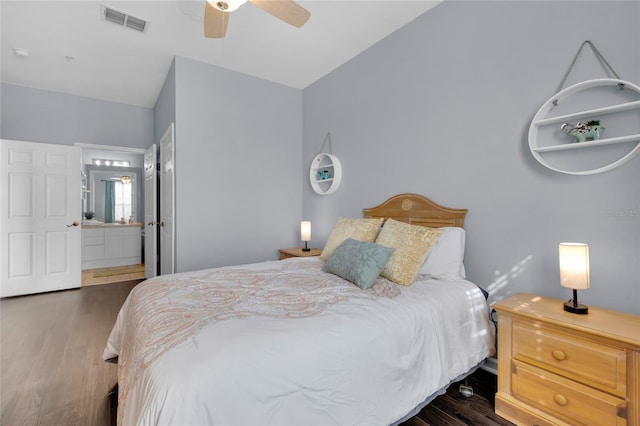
(453, 409)
(51, 366)
(52, 372)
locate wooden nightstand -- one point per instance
(297, 252)
(559, 368)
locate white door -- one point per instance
(150, 212)
(40, 209)
(167, 204)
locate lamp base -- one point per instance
(305, 247)
(576, 308)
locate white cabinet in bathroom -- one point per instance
(105, 246)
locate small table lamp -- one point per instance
(574, 273)
(305, 233)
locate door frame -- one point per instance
(167, 193)
(126, 149)
(150, 188)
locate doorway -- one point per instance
(112, 253)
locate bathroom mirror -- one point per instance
(129, 195)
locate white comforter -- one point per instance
(290, 345)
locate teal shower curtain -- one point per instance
(109, 201)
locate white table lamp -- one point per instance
(305, 233)
(574, 273)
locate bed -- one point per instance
(293, 342)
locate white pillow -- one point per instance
(446, 258)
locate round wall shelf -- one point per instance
(541, 119)
(325, 173)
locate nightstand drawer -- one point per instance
(565, 399)
(586, 361)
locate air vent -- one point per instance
(136, 24)
(122, 18)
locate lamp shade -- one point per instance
(305, 230)
(574, 265)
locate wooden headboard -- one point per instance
(417, 210)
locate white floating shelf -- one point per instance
(324, 161)
(540, 120)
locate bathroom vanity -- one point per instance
(106, 245)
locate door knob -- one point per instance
(73, 224)
(162, 223)
(153, 222)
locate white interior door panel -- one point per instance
(40, 236)
(151, 212)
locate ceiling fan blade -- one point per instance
(287, 10)
(215, 22)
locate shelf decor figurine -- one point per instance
(589, 131)
(324, 175)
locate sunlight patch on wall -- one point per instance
(502, 279)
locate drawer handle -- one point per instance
(560, 399)
(558, 354)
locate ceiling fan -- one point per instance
(216, 13)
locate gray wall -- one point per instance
(36, 115)
(164, 112)
(238, 149)
(442, 108)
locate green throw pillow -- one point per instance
(358, 261)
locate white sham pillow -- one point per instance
(446, 258)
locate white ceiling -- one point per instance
(74, 50)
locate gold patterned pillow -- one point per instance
(357, 228)
(412, 244)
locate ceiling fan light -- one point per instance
(226, 5)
